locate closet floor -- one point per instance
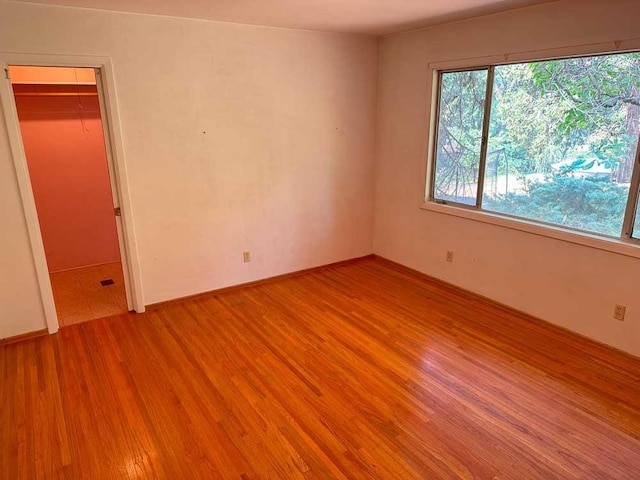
(79, 296)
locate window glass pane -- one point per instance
(636, 224)
(562, 141)
(462, 97)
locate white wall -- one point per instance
(21, 310)
(285, 168)
(567, 284)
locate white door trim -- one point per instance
(115, 152)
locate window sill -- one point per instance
(613, 245)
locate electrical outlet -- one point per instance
(246, 257)
(450, 256)
(619, 311)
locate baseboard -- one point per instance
(496, 304)
(24, 336)
(85, 266)
(262, 281)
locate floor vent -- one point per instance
(107, 282)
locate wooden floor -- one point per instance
(361, 370)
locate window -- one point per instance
(460, 122)
(552, 141)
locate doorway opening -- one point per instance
(62, 126)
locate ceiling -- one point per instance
(377, 17)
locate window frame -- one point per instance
(625, 243)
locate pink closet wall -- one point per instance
(64, 146)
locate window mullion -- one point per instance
(632, 200)
(485, 136)
(432, 160)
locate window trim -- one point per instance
(633, 199)
(629, 247)
(625, 244)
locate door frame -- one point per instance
(105, 82)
